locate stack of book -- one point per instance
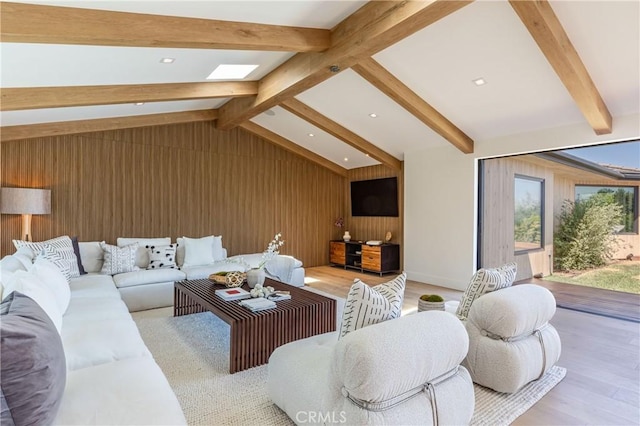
(235, 293)
(257, 304)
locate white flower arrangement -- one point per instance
(273, 249)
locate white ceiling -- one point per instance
(485, 39)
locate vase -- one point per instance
(346, 237)
(423, 305)
(255, 276)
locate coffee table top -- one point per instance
(204, 291)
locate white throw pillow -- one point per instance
(218, 250)
(55, 258)
(53, 279)
(162, 256)
(370, 305)
(32, 286)
(198, 251)
(63, 245)
(118, 260)
(484, 281)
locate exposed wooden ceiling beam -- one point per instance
(373, 27)
(20, 98)
(314, 117)
(293, 147)
(30, 23)
(10, 133)
(548, 33)
(387, 83)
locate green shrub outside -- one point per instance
(585, 238)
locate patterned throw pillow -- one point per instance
(62, 245)
(370, 305)
(162, 256)
(485, 281)
(118, 260)
(54, 256)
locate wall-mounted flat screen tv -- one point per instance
(375, 197)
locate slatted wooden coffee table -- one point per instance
(254, 336)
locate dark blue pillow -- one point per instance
(76, 250)
(33, 371)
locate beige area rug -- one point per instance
(193, 352)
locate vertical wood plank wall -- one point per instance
(374, 228)
(497, 246)
(498, 217)
(187, 179)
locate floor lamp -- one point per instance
(27, 202)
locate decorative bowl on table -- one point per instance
(229, 279)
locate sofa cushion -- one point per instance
(119, 259)
(93, 285)
(54, 280)
(142, 256)
(91, 255)
(370, 305)
(162, 257)
(32, 286)
(63, 245)
(83, 310)
(33, 367)
(218, 251)
(484, 281)
(132, 391)
(98, 342)
(202, 272)
(147, 276)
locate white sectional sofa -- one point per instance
(111, 377)
(153, 288)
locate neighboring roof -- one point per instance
(608, 170)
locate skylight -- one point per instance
(231, 72)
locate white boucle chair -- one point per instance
(401, 371)
(511, 341)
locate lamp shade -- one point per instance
(25, 201)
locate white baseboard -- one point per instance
(435, 280)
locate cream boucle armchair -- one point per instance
(401, 371)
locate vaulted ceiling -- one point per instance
(325, 67)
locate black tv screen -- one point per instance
(375, 197)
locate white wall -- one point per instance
(440, 218)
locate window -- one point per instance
(626, 196)
(528, 213)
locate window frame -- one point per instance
(636, 197)
(541, 181)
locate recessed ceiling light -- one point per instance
(167, 60)
(373, 115)
(479, 81)
(346, 159)
(311, 135)
(367, 155)
(139, 103)
(270, 112)
(231, 72)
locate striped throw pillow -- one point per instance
(62, 245)
(484, 281)
(370, 305)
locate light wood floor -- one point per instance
(601, 355)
